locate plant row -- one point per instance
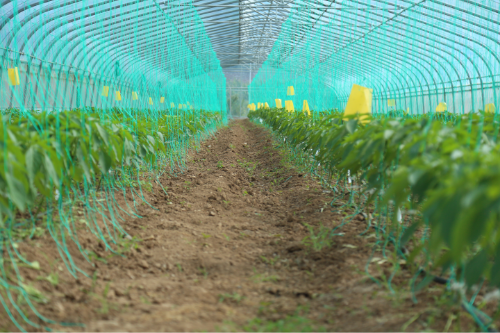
(448, 171)
(41, 152)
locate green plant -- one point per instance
(293, 323)
(446, 165)
(234, 297)
(318, 240)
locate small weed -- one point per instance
(226, 237)
(245, 193)
(259, 278)
(179, 267)
(288, 324)
(52, 278)
(220, 165)
(270, 261)
(203, 271)
(145, 300)
(234, 297)
(319, 240)
(206, 235)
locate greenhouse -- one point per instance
(267, 166)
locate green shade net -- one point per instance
(418, 52)
(98, 100)
(66, 52)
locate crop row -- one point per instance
(449, 170)
(43, 152)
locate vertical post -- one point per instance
(249, 82)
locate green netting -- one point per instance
(418, 52)
(98, 100)
(67, 52)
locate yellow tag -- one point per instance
(266, 106)
(180, 106)
(278, 103)
(150, 101)
(258, 105)
(172, 105)
(305, 108)
(14, 76)
(490, 108)
(134, 96)
(290, 91)
(441, 107)
(185, 107)
(391, 102)
(162, 99)
(359, 102)
(289, 106)
(105, 91)
(251, 106)
(118, 96)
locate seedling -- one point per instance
(234, 297)
(319, 240)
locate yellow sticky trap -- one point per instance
(118, 96)
(134, 96)
(172, 105)
(185, 107)
(289, 106)
(162, 99)
(359, 102)
(14, 76)
(266, 106)
(290, 91)
(150, 101)
(180, 106)
(278, 103)
(490, 108)
(251, 106)
(391, 102)
(305, 108)
(105, 91)
(441, 107)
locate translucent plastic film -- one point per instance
(414, 54)
(103, 54)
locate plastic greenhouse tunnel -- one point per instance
(249, 165)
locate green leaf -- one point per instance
(102, 133)
(408, 233)
(105, 162)
(351, 125)
(17, 193)
(475, 267)
(49, 166)
(425, 282)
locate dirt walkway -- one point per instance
(225, 247)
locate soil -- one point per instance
(226, 246)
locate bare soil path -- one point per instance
(225, 247)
